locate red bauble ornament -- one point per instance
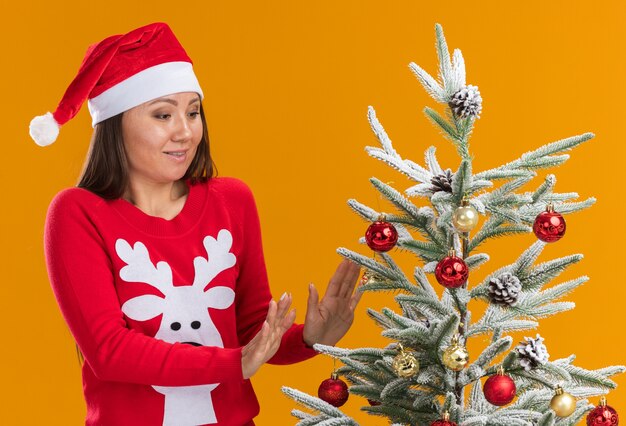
(381, 236)
(549, 226)
(603, 415)
(334, 391)
(451, 271)
(499, 389)
(444, 422)
(373, 403)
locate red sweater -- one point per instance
(132, 287)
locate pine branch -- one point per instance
(538, 276)
(396, 198)
(545, 188)
(526, 260)
(497, 232)
(431, 161)
(477, 400)
(362, 210)
(313, 403)
(380, 319)
(447, 129)
(442, 332)
(582, 377)
(534, 159)
(582, 408)
(498, 173)
(458, 67)
(445, 65)
(432, 87)
(462, 181)
(547, 419)
(558, 291)
(427, 252)
(474, 261)
(388, 286)
(371, 264)
(492, 351)
(422, 281)
(431, 307)
(557, 147)
(395, 388)
(483, 327)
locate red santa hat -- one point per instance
(119, 73)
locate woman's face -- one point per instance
(161, 137)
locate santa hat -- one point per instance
(119, 73)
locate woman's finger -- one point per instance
(334, 285)
(354, 300)
(271, 313)
(288, 321)
(350, 279)
(283, 305)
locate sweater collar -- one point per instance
(184, 221)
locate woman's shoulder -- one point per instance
(72, 199)
(229, 187)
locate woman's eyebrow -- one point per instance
(172, 101)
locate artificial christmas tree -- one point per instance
(521, 385)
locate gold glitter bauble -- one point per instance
(563, 404)
(370, 277)
(455, 356)
(405, 364)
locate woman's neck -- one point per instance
(158, 200)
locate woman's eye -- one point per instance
(162, 116)
(194, 114)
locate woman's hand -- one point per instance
(327, 320)
(264, 345)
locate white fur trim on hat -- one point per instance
(151, 83)
(44, 129)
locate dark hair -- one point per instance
(105, 172)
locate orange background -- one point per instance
(287, 86)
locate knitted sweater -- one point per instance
(161, 308)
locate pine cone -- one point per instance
(532, 352)
(505, 289)
(442, 182)
(467, 102)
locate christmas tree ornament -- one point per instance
(442, 182)
(455, 356)
(444, 421)
(373, 402)
(499, 389)
(370, 277)
(381, 236)
(602, 415)
(466, 102)
(365, 278)
(504, 289)
(465, 217)
(404, 364)
(333, 390)
(563, 404)
(532, 352)
(549, 226)
(451, 271)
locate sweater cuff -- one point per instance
(293, 348)
(227, 362)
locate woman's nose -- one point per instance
(182, 130)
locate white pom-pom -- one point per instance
(44, 129)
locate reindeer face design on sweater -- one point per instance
(185, 315)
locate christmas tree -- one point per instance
(426, 376)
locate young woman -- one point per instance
(156, 264)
